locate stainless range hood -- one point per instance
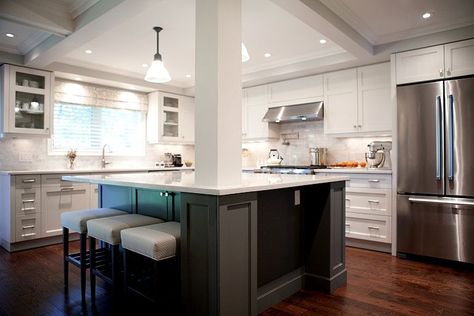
(295, 113)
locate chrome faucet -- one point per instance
(104, 162)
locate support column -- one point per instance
(218, 92)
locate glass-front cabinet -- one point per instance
(26, 96)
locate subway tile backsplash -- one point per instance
(311, 134)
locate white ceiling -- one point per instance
(266, 28)
(383, 21)
(121, 37)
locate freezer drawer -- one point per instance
(436, 227)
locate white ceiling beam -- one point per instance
(46, 15)
(316, 15)
(96, 20)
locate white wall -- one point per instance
(311, 134)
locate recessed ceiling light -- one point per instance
(426, 15)
(144, 65)
(9, 35)
(267, 55)
(323, 41)
(88, 51)
(77, 78)
(188, 76)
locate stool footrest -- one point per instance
(75, 258)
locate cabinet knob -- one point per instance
(167, 194)
(360, 125)
(355, 126)
(448, 72)
(440, 72)
(161, 193)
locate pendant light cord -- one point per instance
(158, 30)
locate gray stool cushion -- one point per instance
(158, 242)
(108, 229)
(77, 220)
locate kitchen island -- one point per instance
(243, 247)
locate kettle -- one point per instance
(274, 157)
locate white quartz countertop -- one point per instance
(92, 170)
(355, 170)
(183, 181)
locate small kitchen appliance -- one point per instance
(318, 156)
(177, 161)
(274, 157)
(378, 155)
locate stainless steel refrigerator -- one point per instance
(435, 200)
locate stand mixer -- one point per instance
(378, 155)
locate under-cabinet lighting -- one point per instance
(88, 51)
(11, 35)
(323, 41)
(426, 15)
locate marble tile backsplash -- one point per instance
(310, 134)
(32, 154)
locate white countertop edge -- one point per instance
(98, 170)
(209, 190)
(355, 170)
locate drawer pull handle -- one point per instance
(28, 201)
(373, 227)
(29, 180)
(28, 209)
(374, 180)
(28, 227)
(348, 224)
(374, 201)
(347, 199)
(28, 235)
(66, 189)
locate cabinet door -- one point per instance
(296, 91)
(255, 108)
(244, 115)
(169, 114)
(420, 65)
(94, 194)
(340, 102)
(374, 103)
(56, 200)
(459, 58)
(256, 128)
(256, 95)
(29, 102)
(186, 120)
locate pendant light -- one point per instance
(157, 72)
(245, 54)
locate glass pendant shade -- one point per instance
(245, 54)
(157, 73)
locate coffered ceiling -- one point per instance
(55, 34)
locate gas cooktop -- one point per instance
(287, 169)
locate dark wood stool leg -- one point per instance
(83, 255)
(125, 270)
(92, 267)
(66, 254)
(115, 268)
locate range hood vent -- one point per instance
(295, 113)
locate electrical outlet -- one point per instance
(297, 197)
(25, 157)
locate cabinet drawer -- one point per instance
(27, 181)
(368, 201)
(56, 180)
(368, 227)
(27, 201)
(27, 227)
(374, 181)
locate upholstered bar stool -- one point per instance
(158, 242)
(77, 221)
(108, 231)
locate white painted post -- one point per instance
(218, 115)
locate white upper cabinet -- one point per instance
(420, 65)
(357, 101)
(254, 107)
(459, 58)
(296, 91)
(26, 100)
(437, 62)
(170, 118)
(340, 102)
(374, 103)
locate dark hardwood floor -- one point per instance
(31, 283)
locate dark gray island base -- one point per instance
(242, 253)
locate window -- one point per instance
(87, 128)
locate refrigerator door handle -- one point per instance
(452, 201)
(438, 138)
(451, 139)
